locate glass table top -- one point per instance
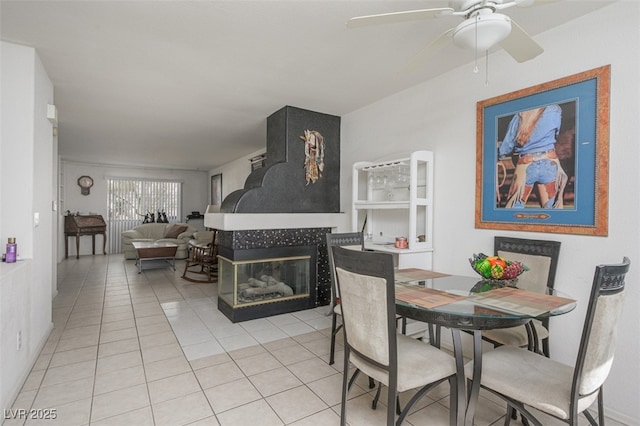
(469, 296)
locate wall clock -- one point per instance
(85, 183)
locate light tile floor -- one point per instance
(153, 349)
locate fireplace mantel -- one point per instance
(249, 221)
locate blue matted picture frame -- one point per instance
(542, 157)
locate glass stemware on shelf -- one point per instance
(390, 186)
(392, 179)
(402, 175)
(379, 180)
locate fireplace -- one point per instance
(280, 220)
(262, 282)
(254, 262)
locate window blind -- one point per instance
(129, 200)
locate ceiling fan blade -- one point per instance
(430, 50)
(537, 2)
(520, 45)
(392, 18)
(523, 3)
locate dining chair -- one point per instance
(202, 264)
(527, 380)
(541, 257)
(350, 239)
(345, 239)
(366, 285)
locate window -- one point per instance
(129, 200)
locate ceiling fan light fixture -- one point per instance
(490, 29)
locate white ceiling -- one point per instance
(189, 84)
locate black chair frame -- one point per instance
(340, 240)
(550, 249)
(608, 280)
(381, 265)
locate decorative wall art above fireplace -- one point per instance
(314, 155)
(302, 167)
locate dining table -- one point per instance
(470, 304)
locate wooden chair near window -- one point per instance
(527, 380)
(202, 264)
(541, 256)
(366, 285)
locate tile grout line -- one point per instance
(95, 369)
(135, 322)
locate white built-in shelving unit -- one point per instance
(395, 199)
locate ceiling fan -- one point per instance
(482, 28)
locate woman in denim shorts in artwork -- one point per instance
(531, 137)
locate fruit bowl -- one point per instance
(496, 268)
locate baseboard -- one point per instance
(616, 416)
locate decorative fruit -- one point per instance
(497, 271)
(484, 267)
(496, 268)
(495, 260)
(512, 270)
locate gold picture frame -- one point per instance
(512, 195)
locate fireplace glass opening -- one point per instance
(250, 282)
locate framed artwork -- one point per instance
(542, 157)
(216, 190)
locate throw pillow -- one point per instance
(174, 230)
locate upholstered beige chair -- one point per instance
(354, 240)
(525, 379)
(541, 257)
(366, 285)
(348, 239)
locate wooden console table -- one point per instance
(77, 226)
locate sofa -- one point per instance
(177, 233)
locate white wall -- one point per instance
(194, 193)
(44, 170)
(234, 173)
(27, 164)
(440, 115)
(18, 76)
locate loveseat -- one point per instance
(177, 233)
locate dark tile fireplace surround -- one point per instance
(277, 243)
(281, 210)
